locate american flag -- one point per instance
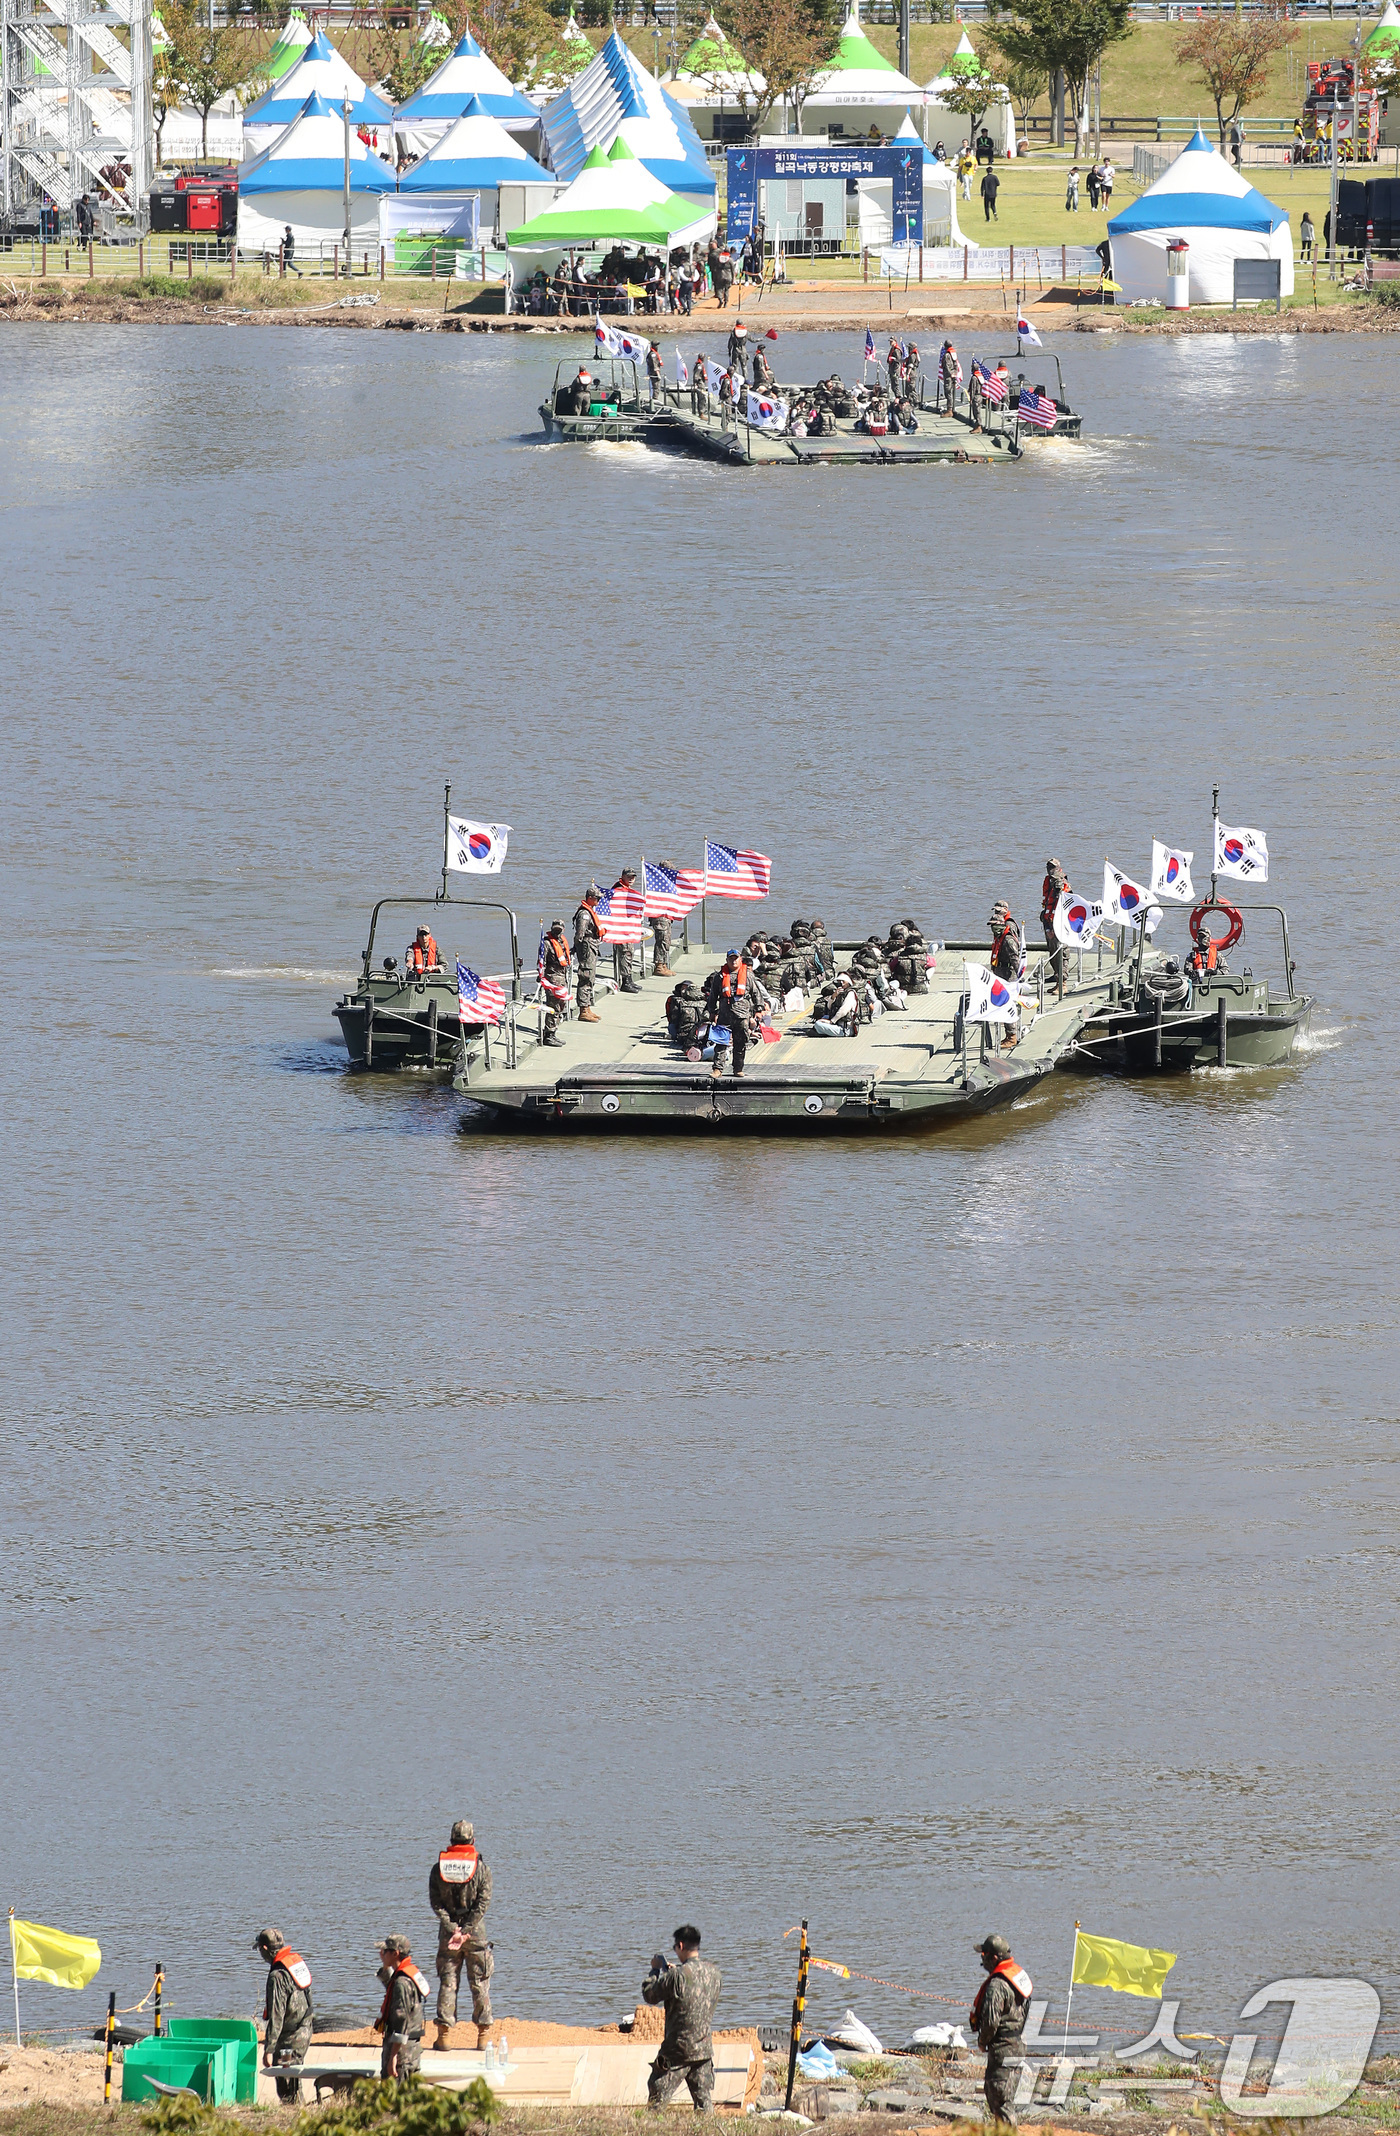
(993, 383)
(479, 1001)
(671, 892)
(1037, 409)
(869, 346)
(732, 872)
(620, 912)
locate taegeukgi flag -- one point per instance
(1171, 872)
(1124, 901)
(1241, 852)
(1076, 919)
(476, 848)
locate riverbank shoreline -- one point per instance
(916, 311)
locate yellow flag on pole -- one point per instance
(48, 1954)
(1103, 1962)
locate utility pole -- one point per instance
(345, 110)
(904, 36)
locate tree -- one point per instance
(1232, 55)
(788, 43)
(199, 65)
(971, 92)
(514, 33)
(1068, 34)
(401, 61)
(1025, 81)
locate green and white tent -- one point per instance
(1385, 37)
(861, 85)
(292, 40)
(614, 200)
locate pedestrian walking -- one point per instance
(998, 2017)
(287, 253)
(991, 185)
(1106, 183)
(1092, 184)
(1072, 190)
(1305, 235)
(687, 1990)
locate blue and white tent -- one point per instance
(321, 71)
(615, 96)
(475, 155)
(466, 72)
(300, 179)
(1222, 219)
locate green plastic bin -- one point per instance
(207, 2067)
(240, 2031)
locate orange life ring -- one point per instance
(1236, 922)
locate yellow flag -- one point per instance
(48, 1954)
(1103, 1962)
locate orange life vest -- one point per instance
(732, 984)
(292, 1962)
(404, 1965)
(457, 1865)
(1009, 1970)
(1050, 898)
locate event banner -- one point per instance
(902, 162)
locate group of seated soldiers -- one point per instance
(881, 975)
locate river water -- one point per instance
(984, 1531)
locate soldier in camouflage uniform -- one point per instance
(661, 937)
(998, 2016)
(400, 2017)
(687, 1991)
(461, 1912)
(623, 950)
(287, 2009)
(554, 980)
(587, 936)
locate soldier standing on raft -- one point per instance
(554, 980)
(587, 936)
(1053, 888)
(400, 2018)
(688, 1992)
(998, 2016)
(286, 2009)
(626, 982)
(459, 1892)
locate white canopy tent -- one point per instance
(861, 89)
(940, 201)
(1221, 217)
(300, 180)
(950, 126)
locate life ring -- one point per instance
(1236, 926)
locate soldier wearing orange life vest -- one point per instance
(998, 2016)
(286, 2008)
(459, 1892)
(421, 955)
(400, 2019)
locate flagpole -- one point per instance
(446, 805)
(1064, 2045)
(1214, 820)
(704, 877)
(642, 945)
(14, 1974)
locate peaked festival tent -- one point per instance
(940, 200)
(322, 72)
(475, 155)
(552, 68)
(1223, 219)
(292, 40)
(1000, 119)
(861, 84)
(713, 72)
(615, 95)
(466, 72)
(1386, 35)
(300, 179)
(614, 199)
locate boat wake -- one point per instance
(301, 974)
(1320, 1038)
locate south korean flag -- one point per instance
(1125, 902)
(990, 998)
(764, 414)
(1241, 852)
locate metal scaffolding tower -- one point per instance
(74, 99)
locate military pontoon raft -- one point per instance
(617, 409)
(915, 1067)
